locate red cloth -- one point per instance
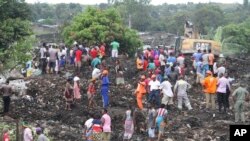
(102, 50)
(78, 55)
(157, 63)
(145, 65)
(91, 88)
(93, 53)
(6, 137)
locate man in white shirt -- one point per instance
(154, 88)
(162, 61)
(96, 73)
(167, 98)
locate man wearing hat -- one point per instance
(105, 88)
(140, 91)
(27, 133)
(210, 86)
(240, 95)
(154, 87)
(41, 136)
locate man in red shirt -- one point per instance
(78, 59)
(93, 53)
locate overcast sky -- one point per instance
(155, 2)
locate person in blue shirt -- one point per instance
(105, 88)
(171, 58)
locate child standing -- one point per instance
(91, 93)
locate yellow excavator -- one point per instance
(191, 42)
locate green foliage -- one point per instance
(14, 30)
(13, 24)
(95, 26)
(18, 53)
(235, 38)
(60, 12)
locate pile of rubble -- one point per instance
(43, 103)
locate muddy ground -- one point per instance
(44, 104)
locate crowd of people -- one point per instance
(162, 82)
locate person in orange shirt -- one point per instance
(102, 50)
(210, 86)
(140, 91)
(211, 60)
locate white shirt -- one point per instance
(221, 70)
(161, 59)
(215, 68)
(96, 73)
(27, 134)
(89, 123)
(166, 88)
(154, 85)
(42, 52)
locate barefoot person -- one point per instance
(91, 93)
(68, 95)
(77, 94)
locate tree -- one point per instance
(207, 17)
(95, 26)
(245, 3)
(14, 30)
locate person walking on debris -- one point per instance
(222, 84)
(7, 92)
(210, 86)
(5, 135)
(154, 87)
(199, 74)
(105, 88)
(119, 73)
(96, 73)
(41, 136)
(87, 131)
(52, 59)
(180, 90)
(128, 125)
(77, 94)
(91, 94)
(161, 114)
(151, 122)
(166, 89)
(96, 61)
(68, 95)
(106, 125)
(162, 128)
(240, 95)
(205, 59)
(43, 58)
(78, 59)
(115, 46)
(140, 92)
(139, 63)
(27, 133)
(210, 60)
(97, 128)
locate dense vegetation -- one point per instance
(226, 23)
(96, 26)
(14, 32)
